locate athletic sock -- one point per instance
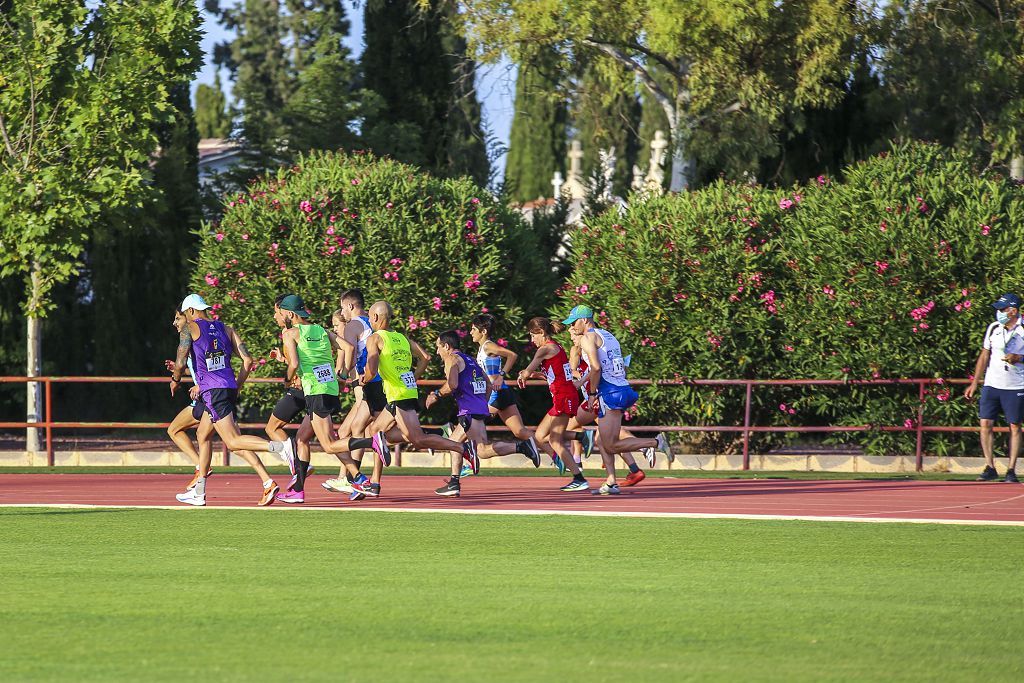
(200, 487)
(276, 447)
(197, 468)
(359, 442)
(634, 468)
(455, 479)
(579, 477)
(301, 468)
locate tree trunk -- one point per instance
(681, 167)
(34, 395)
(1017, 167)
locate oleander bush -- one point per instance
(886, 273)
(439, 250)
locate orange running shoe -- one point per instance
(634, 478)
(269, 493)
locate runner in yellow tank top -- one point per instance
(389, 353)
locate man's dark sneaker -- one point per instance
(529, 448)
(988, 474)
(451, 488)
(1011, 477)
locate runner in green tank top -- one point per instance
(310, 352)
(389, 353)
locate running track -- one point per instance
(948, 502)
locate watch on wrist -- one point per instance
(437, 393)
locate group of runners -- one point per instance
(588, 385)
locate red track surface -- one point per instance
(945, 501)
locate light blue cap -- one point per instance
(577, 313)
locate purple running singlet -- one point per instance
(473, 390)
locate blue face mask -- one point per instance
(1003, 317)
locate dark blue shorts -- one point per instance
(220, 403)
(1007, 402)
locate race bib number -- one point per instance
(408, 379)
(618, 367)
(216, 360)
(568, 372)
(479, 386)
(323, 373)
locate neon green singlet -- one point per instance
(396, 366)
(316, 361)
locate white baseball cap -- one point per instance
(193, 301)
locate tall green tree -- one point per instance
(955, 71)
(213, 120)
(606, 115)
(539, 128)
(422, 105)
(749, 61)
(85, 84)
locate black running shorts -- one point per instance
(290, 405)
(412, 404)
(373, 394)
(323, 405)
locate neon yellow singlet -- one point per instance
(396, 366)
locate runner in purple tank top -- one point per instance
(467, 382)
(211, 344)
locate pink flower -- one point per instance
(241, 274)
(967, 304)
(245, 236)
(958, 308)
(501, 341)
(782, 407)
(424, 323)
(469, 225)
(923, 326)
(330, 231)
(785, 204)
(791, 411)
(882, 226)
(788, 347)
(908, 423)
(389, 205)
(473, 283)
(355, 181)
(483, 309)
(822, 180)
(212, 280)
(305, 206)
(216, 307)
(395, 261)
(219, 237)
(797, 198)
(881, 266)
(627, 322)
(583, 289)
(849, 323)
(474, 200)
(986, 229)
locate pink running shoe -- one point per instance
(292, 497)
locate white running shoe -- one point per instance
(664, 447)
(339, 485)
(651, 455)
(192, 498)
(288, 454)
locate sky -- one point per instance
(495, 84)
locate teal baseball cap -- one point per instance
(577, 313)
(295, 304)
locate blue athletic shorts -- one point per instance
(1008, 402)
(614, 397)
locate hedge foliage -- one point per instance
(887, 273)
(439, 250)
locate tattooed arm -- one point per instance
(181, 359)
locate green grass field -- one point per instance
(208, 595)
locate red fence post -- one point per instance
(746, 426)
(919, 452)
(49, 422)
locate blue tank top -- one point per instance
(211, 357)
(472, 391)
(490, 364)
(361, 346)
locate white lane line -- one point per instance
(559, 513)
(945, 507)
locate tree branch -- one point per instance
(645, 76)
(7, 140)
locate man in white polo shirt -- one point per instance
(1003, 391)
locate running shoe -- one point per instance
(587, 442)
(269, 492)
(664, 446)
(557, 462)
(339, 485)
(608, 490)
(367, 488)
(292, 497)
(467, 471)
(450, 489)
(470, 455)
(651, 455)
(1011, 477)
(190, 497)
(192, 484)
(288, 454)
(634, 478)
(988, 474)
(380, 447)
(576, 485)
(528, 447)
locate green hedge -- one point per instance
(887, 273)
(439, 250)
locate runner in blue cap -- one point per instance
(607, 384)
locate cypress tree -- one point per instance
(537, 143)
(421, 104)
(212, 117)
(605, 115)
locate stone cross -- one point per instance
(556, 183)
(574, 186)
(607, 171)
(656, 174)
(638, 179)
